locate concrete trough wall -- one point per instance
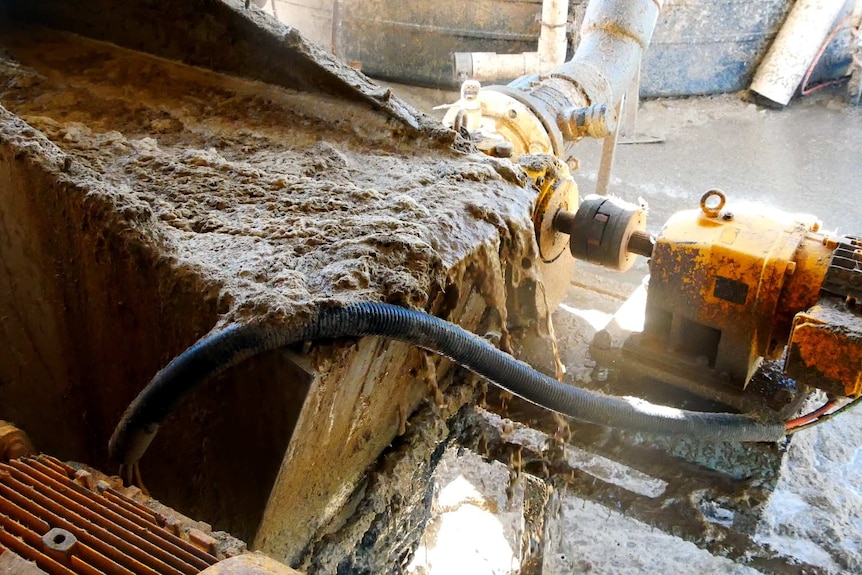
(92, 309)
(145, 202)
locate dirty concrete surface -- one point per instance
(156, 200)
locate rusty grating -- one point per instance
(56, 516)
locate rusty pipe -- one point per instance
(614, 36)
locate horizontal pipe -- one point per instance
(491, 66)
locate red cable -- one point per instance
(809, 418)
(805, 89)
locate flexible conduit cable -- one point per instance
(222, 349)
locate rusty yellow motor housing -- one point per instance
(725, 288)
(825, 349)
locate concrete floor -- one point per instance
(802, 159)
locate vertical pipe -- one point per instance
(337, 17)
(552, 38)
(606, 164)
(551, 52)
(794, 48)
(614, 36)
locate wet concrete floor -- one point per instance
(807, 158)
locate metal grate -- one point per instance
(48, 515)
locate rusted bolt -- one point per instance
(601, 373)
(14, 443)
(503, 150)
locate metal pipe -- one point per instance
(540, 113)
(794, 48)
(614, 35)
(552, 38)
(491, 66)
(337, 17)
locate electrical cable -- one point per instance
(824, 418)
(805, 90)
(222, 349)
(810, 417)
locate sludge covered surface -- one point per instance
(150, 201)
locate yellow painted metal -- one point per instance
(557, 191)
(495, 115)
(826, 349)
(724, 286)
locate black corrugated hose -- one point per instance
(218, 351)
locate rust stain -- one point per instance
(826, 351)
(614, 29)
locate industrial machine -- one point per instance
(729, 287)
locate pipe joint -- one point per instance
(596, 121)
